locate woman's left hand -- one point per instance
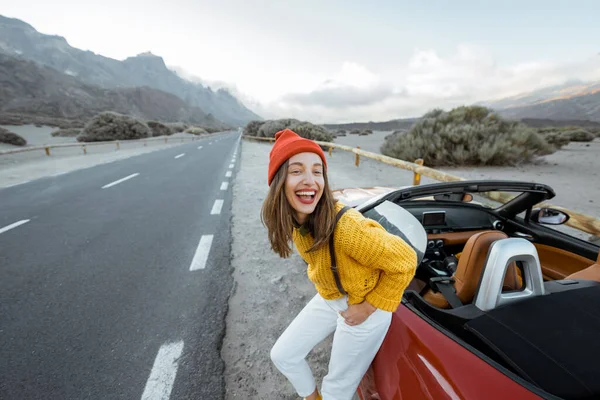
(356, 314)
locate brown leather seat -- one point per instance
(470, 267)
(591, 273)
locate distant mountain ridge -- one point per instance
(28, 88)
(571, 101)
(391, 125)
(17, 38)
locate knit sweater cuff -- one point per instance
(381, 302)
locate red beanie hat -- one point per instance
(287, 144)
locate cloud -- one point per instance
(353, 86)
(428, 80)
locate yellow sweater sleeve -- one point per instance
(367, 242)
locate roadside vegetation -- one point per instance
(112, 126)
(159, 129)
(9, 137)
(467, 136)
(268, 129)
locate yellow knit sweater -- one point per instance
(373, 265)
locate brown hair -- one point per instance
(278, 216)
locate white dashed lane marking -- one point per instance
(217, 207)
(224, 185)
(13, 226)
(231, 165)
(180, 155)
(164, 370)
(199, 147)
(228, 174)
(120, 181)
(201, 255)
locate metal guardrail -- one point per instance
(579, 221)
(84, 145)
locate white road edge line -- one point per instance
(120, 180)
(224, 185)
(228, 174)
(201, 256)
(217, 207)
(161, 379)
(180, 155)
(12, 226)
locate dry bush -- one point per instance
(159, 129)
(9, 137)
(580, 135)
(69, 132)
(252, 128)
(467, 136)
(195, 130)
(177, 127)
(268, 129)
(108, 126)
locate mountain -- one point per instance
(570, 101)
(376, 126)
(32, 89)
(18, 38)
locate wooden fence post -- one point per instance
(357, 161)
(47, 151)
(118, 145)
(84, 149)
(330, 150)
(417, 177)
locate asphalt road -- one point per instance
(119, 291)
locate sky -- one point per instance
(341, 60)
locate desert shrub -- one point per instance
(355, 132)
(313, 132)
(177, 127)
(195, 130)
(305, 129)
(270, 128)
(212, 130)
(108, 126)
(557, 139)
(467, 136)
(9, 137)
(159, 129)
(579, 135)
(252, 128)
(69, 132)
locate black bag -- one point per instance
(338, 282)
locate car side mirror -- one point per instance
(549, 216)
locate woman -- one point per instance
(356, 299)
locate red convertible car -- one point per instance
(502, 306)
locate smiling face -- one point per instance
(304, 184)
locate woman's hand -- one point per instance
(356, 314)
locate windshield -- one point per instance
(490, 200)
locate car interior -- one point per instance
(518, 292)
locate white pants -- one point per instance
(354, 347)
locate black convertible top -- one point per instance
(553, 341)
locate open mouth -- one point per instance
(306, 196)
